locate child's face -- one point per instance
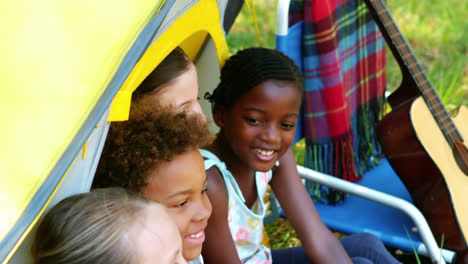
(159, 239)
(180, 185)
(180, 93)
(260, 125)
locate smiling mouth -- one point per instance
(196, 239)
(197, 235)
(264, 154)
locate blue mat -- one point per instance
(359, 215)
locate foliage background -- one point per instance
(437, 31)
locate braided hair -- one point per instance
(247, 69)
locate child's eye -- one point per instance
(181, 204)
(252, 121)
(205, 190)
(288, 125)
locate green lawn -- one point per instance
(437, 31)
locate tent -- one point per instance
(70, 67)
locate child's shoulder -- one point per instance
(208, 155)
(198, 260)
(214, 169)
(213, 165)
(216, 176)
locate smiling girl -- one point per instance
(256, 106)
(156, 154)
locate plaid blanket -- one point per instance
(343, 60)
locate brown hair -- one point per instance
(153, 135)
(90, 228)
(174, 65)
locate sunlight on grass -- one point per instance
(438, 35)
(242, 34)
(282, 235)
(436, 32)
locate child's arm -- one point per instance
(319, 243)
(218, 246)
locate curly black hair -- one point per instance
(153, 135)
(247, 69)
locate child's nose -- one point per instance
(270, 134)
(196, 108)
(203, 212)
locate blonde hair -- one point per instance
(90, 228)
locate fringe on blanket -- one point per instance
(347, 157)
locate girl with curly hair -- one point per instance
(155, 153)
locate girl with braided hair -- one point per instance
(256, 107)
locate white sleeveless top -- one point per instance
(245, 224)
(198, 260)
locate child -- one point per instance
(107, 226)
(156, 154)
(172, 83)
(256, 107)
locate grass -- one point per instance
(437, 31)
(242, 33)
(438, 35)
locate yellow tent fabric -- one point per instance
(189, 31)
(57, 57)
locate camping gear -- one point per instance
(433, 161)
(341, 53)
(383, 192)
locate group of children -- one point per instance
(212, 187)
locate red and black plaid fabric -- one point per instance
(343, 60)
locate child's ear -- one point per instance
(218, 115)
